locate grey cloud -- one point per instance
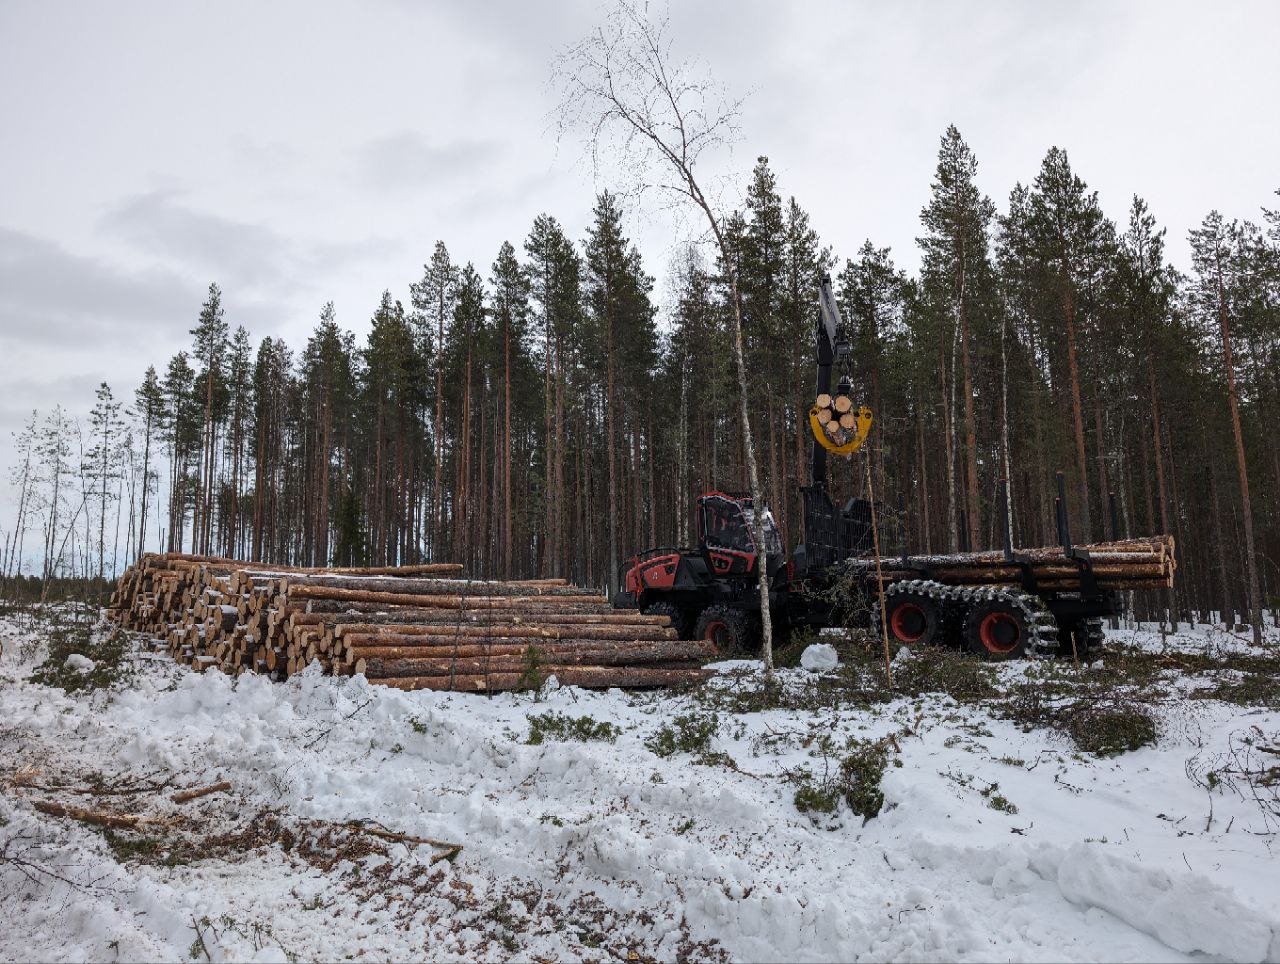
(236, 252)
(51, 297)
(407, 160)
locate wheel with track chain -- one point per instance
(1003, 624)
(917, 611)
(681, 621)
(728, 629)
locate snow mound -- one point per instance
(81, 664)
(819, 658)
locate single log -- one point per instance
(357, 640)
(452, 849)
(377, 668)
(417, 617)
(426, 569)
(649, 652)
(407, 612)
(301, 586)
(587, 677)
(443, 602)
(118, 820)
(438, 632)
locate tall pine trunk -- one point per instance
(1251, 560)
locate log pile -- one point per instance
(1147, 563)
(411, 627)
(838, 417)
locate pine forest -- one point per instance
(551, 413)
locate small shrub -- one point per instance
(532, 676)
(937, 669)
(1110, 731)
(856, 780)
(109, 653)
(1104, 723)
(688, 733)
(563, 728)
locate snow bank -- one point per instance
(591, 850)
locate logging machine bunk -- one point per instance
(1001, 604)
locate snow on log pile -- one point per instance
(1146, 563)
(411, 627)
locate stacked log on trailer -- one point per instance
(1123, 565)
(411, 627)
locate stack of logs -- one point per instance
(1129, 564)
(837, 416)
(412, 627)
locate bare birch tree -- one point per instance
(658, 117)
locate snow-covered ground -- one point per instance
(994, 844)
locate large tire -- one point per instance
(680, 619)
(729, 630)
(999, 629)
(915, 615)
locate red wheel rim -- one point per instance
(999, 632)
(712, 634)
(908, 622)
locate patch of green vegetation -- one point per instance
(997, 801)
(1105, 721)
(856, 779)
(563, 728)
(417, 725)
(1110, 731)
(687, 733)
(685, 827)
(939, 669)
(128, 847)
(716, 758)
(532, 677)
(109, 653)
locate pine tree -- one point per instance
(606, 263)
(510, 309)
(182, 432)
(434, 299)
(957, 219)
(148, 401)
(1072, 235)
(1219, 262)
(210, 334)
(555, 285)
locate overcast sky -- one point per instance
(297, 153)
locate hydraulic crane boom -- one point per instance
(831, 345)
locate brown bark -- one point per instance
(1251, 560)
(590, 677)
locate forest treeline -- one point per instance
(532, 418)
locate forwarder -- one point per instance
(1002, 604)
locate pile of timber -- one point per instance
(837, 416)
(1124, 565)
(411, 627)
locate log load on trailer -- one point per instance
(1001, 604)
